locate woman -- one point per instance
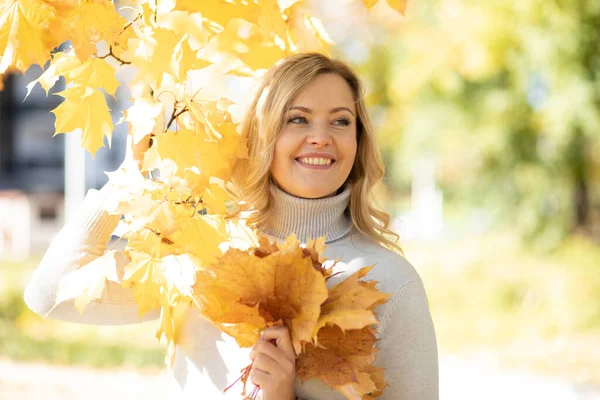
(313, 163)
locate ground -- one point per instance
(460, 378)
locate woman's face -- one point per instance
(317, 145)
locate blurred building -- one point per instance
(32, 166)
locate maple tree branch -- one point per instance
(157, 233)
(130, 23)
(174, 116)
(110, 53)
(179, 202)
(163, 239)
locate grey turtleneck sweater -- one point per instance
(206, 359)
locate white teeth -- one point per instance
(315, 161)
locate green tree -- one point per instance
(507, 97)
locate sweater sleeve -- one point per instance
(82, 239)
(408, 347)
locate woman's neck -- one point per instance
(312, 218)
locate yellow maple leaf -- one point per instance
(145, 116)
(89, 281)
(182, 146)
(95, 73)
(370, 3)
(62, 62)
(146, 241)
(161, 217)
(223, 309)
(153, 54)
(188, 24)
(85, 109)
(350, 303)
(210, 117)
(144, 274)
(180, 274)
(272, 20)
(189, 149)
(24, 35)
(176, 299)
(265, 246)
(398, 5)
(316, 247)
(172, 317)
(189, 61)
(201, 235)
(87, 24)
(306, 32)
(215, 198)
(240, 235)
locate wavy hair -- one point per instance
(261, 126)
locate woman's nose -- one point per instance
(319, 135)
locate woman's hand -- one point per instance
(274, 364)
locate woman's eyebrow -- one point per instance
(333, 110)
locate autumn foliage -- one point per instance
(183, 252)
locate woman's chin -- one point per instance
(314, 192)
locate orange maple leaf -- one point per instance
(343, 361)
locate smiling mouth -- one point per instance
(324, 162)
(321, 166)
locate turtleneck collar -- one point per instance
(308, 217)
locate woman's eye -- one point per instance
(342, 121)
(297, 120)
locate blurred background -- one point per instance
(488, 115)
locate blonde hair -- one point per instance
(261, 126)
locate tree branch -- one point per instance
(174, 116)
(111, 54)
(130, 23)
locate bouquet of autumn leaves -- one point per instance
(285, 284)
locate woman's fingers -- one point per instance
(262, 346)
(283, 340)
(273, 365)
(259, 378)
(265, 364)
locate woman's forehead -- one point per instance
(324, 93)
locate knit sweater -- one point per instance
(206, 359)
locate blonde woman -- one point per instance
(312, 169)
